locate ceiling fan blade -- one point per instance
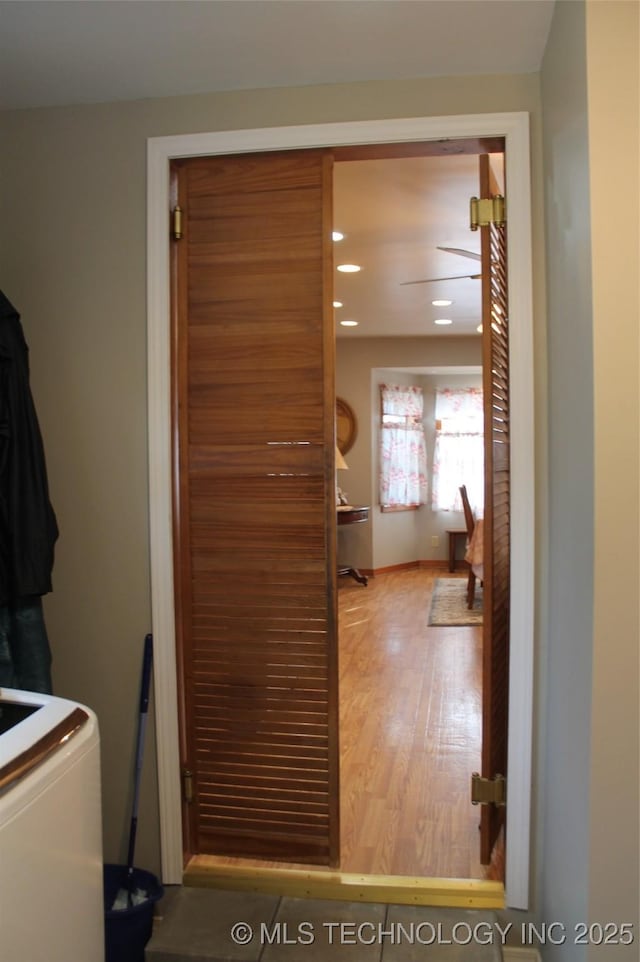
(462, 253)
(432, 280)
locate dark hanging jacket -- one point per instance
(28, 527)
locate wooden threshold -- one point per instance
(345, 886)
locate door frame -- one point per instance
(514, 127)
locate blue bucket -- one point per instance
(127, 930)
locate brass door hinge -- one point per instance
(485, 211)
(177, 222)
(187, 785)
(488, 791)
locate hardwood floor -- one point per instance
(410, 730)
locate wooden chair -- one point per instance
(470, 522)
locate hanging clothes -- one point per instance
(28, 526)
(25, 655)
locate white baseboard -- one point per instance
(513, 954)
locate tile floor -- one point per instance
(208, 925)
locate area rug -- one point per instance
(449, 603)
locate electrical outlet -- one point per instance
(435, 541)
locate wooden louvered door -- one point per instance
(495, 363)
(254, 479)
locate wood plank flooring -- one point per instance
(410, 730)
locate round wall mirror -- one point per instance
(346, 426)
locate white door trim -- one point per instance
(160, 151)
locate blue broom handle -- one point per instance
(145, 685)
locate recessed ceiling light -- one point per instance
(443, 320)
(349, 323)
(337, 303)
(349, 268)
(337, 235)
(442, 303)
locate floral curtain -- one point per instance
(403, 449)
(458, 456)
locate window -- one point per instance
(458, 456)
(403, 450)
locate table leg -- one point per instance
(354, 573)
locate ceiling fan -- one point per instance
(463, 253)
(457, 277)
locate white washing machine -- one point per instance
(51, 905)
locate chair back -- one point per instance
(470, 521)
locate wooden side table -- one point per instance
(454, 534)
(352, 515)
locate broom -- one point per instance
(126, 895)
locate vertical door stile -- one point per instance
(180, 485)
(329, 353)
(496, 586)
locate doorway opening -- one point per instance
(267, 732)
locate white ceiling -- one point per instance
(394, 213)
(85, 51)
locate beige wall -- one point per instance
(588, 667)
(565, 662)
(613, 98)
(72, 249)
